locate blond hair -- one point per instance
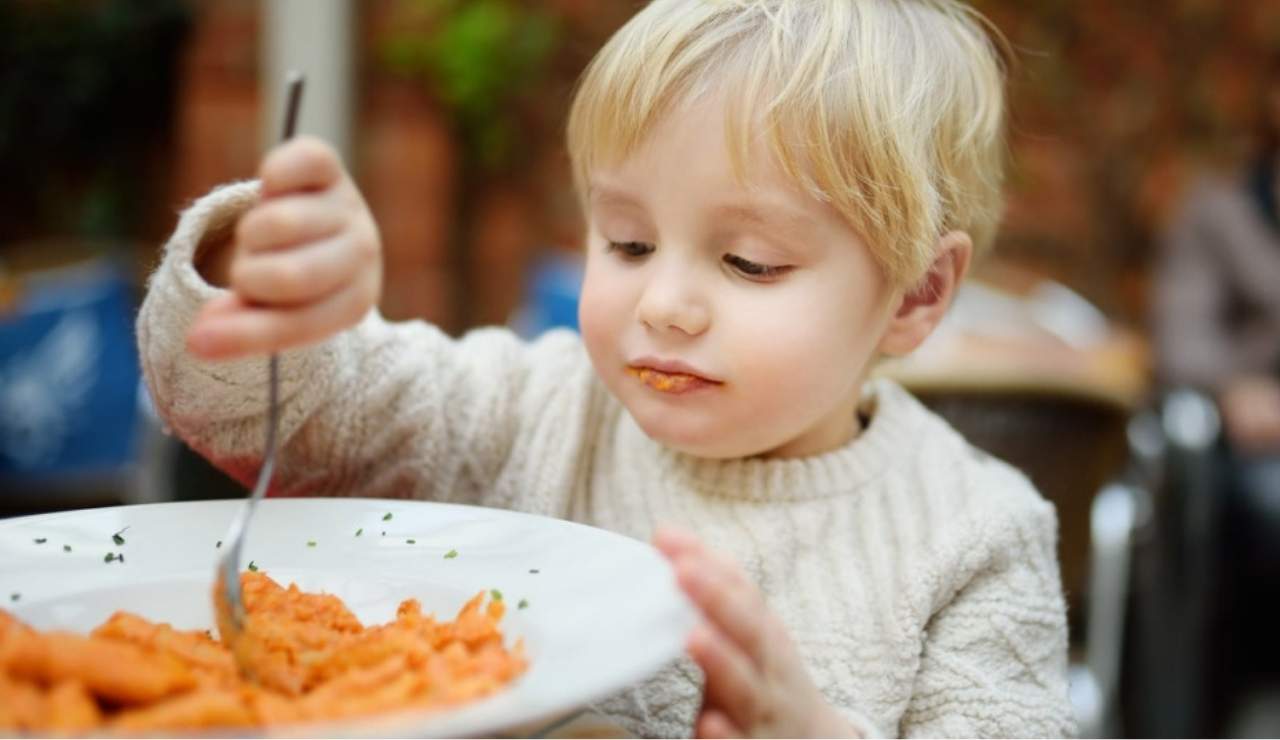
(892, 111)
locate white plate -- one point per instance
(603, 611)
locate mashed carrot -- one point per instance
(308, 657)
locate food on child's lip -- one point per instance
(310, 660)
(668, 382)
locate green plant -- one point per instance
(484, 60)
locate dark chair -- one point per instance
(1177, 642)
(1201, 652)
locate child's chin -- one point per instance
(689, 440)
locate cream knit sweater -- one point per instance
(917, 575)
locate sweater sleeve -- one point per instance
(384, 409)
(994, 656)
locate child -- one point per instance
(777, 192)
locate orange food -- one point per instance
(309, 657)
(660, 381)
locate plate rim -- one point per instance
(420, 722)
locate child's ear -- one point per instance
(923, 305)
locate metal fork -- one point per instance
(228, 601)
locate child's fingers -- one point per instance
(719, 588)
(713, 723)
(679, 544)
(301, 275)
(211, 314)
(733, 606)
(253, 330)
(673, 541)
(730, 683)
(303, 163)
(289, 220)
(220, 305)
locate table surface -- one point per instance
(1115, 371)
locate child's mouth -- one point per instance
(673, 383)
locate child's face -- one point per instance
(731, 321)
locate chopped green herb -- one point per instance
(116, 538)
(253, 566)
(451, 555)
(386, 517)
(120, 557)
(219, 544)
(524, 604)
(41, 540)
(496, 594)
(66, 548)
(311, 543)
(412, 542)
(15, 596)
(534, 571)
(360, 531)
(384, 533)
(109, 557)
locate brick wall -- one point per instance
(1116, 106)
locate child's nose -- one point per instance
(670, 303)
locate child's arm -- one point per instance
(994, 661)
(379, 409)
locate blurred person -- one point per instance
(1217, 321)
(777, 193)
(1217, 314)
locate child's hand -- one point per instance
(756, 683)
(304, 263)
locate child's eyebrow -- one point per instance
(603, 195)
(771, 217)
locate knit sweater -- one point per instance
(916, 574)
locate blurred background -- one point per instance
(114, 114)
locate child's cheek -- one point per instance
(596, 319)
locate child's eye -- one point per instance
(631, 250)
(755, 270)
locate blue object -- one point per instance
(69, 378)
(551, 295)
